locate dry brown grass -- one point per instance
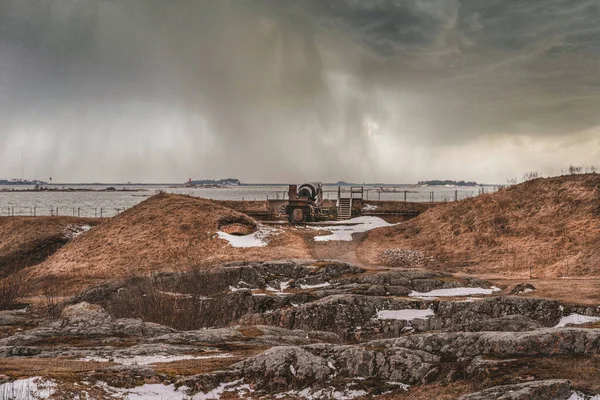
(203, 366)
(551, 225)
(26, 241)
(245, 206)
(164, 233)
(569, 290)
(49, 368)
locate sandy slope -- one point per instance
(552, 225)
(164, 233)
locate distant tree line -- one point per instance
(447, 182)
(225, 182)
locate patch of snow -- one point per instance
(226, 387)
(182, 295)
(256, 239)
(405, 315)
(73, 231)
(318, 285)
(370, 207)
(344, 232)
(169, 392)
(453, 292)
(146, 360)
(581, 396)
(293, 370)
(403, 386)
(576, 319)
(327, 393)
(34, 388)
(284, 285)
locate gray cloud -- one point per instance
(291, 90)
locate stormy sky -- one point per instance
(294, 90)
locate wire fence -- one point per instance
(391, 194)
(39, 211)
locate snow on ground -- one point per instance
(453, 292)
(580, 396)
(72, 231)
(327, 393)
(341, 230)
(317, 286)
(576, 319)
(256, 239)
(27, 389)
(370, 207)
(169, 392)
(405, 315)
(146, 360)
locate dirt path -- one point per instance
(333, 250)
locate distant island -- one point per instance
(212, 182)
(21, 182)
(447, 183)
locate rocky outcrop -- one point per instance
(89, 321)
(291, 367)
(543, 342)
(354, 317)
(341, 314)
(249, 335)
(306, 328)
(557, 389)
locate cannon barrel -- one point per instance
(309, 191)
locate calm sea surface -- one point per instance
(91, 204)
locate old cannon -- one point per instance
(305, 203)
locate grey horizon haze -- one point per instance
(289, 91)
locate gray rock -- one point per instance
(340, 314)
(510, 323)
(285, 367)
(137, 327)
(456, 314)
(542, 342)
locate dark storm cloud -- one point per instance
(283, 89)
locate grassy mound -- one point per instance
(167, 232)
(26, 241)
(550, 226)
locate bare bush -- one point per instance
(531, 175)
(9, 291)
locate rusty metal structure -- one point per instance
(306, 203)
